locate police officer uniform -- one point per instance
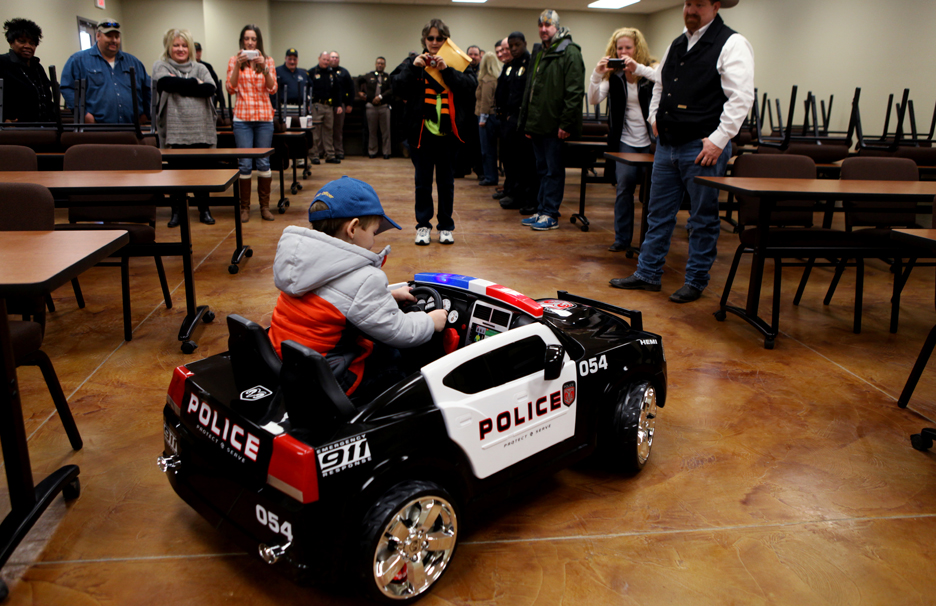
(292, 83)
(326, 95)
(346, 86)
(376, 88)
(520, 179)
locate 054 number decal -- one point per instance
(344, 454)
(272, 521)
(593, 365)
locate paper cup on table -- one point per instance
(304, 121)
(288, 121)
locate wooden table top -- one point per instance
(630, 158)
(917, 235)
(36, 262)
(209, 152)
(221, 153)
(822, 188)
(126, 181)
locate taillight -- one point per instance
(292, 469)
(177, 388)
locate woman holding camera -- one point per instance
(624, 76)
(435, 113)
(252, 77)
(185, 114)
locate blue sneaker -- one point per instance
(529, 221)
(545, 223)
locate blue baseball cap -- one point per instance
(348, 198)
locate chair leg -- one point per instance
(802, 283)
(40, 359)
(839, 270)
(731, 275)
(49, 303)
(900, 280)
(167, 297)
(125, 293)
(859, 293)
(775, 312)
(78, 296)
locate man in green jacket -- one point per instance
(552, 112)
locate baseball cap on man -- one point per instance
(108, 25)
(349, 198)
(197, 47)
(549, 17)
(293, 52)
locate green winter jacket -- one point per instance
(553, 95)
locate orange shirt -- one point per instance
(253, 95)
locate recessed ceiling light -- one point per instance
(475, 1)
(612, 4)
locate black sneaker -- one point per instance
(499, 194)
(508, 203)
(634, 283)
(339, 156)
(334, 160)
(386, 156)
(315, 161)
(686, 294)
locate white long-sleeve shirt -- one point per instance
(736, 66)
(634, 132)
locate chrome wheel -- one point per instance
(415, 547)
(646, 423)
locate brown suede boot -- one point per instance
(245, 186)
(263, 194)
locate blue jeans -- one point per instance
(627, 179)
(551, 170)
(674, 169)
(489, 148)
(253, 134)
(439, 154)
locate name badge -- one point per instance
(681, 107)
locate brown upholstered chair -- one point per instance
(17, 158)
(100, 137)
(138, 217)
(44, 140)
(876, 226)
(26, 206)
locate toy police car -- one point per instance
(273, 454)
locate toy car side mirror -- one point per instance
(553, 362)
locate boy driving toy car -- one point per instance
(336, 299)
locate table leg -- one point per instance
(918, 367)
(580, 215)
(27, 501)
(749, 313)
(193, 311)
(241, 249)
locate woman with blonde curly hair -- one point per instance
(185, 113)
(628, 88)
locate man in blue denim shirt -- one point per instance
(107, 71)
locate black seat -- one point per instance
(314, 400)
(252, 355)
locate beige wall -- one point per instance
(145, 23)
(223, 22)
(829, 47)
(361, 32)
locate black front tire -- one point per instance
(629, 437)
(408, 539)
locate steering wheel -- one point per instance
(428, 293)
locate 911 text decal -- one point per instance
(344, 454)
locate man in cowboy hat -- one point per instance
(705, 91)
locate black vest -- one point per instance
(617, 97)
(692, 101)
